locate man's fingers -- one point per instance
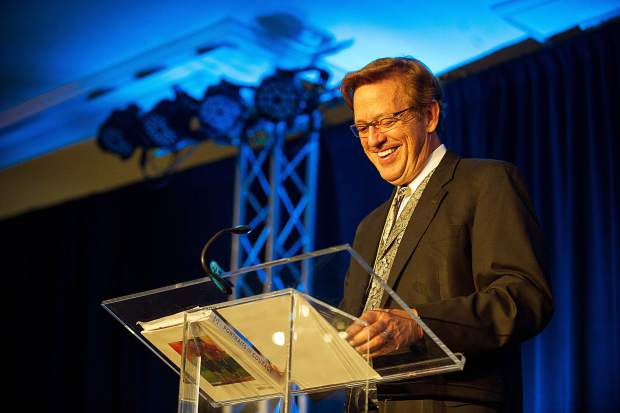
(388, 330)
(371, 316)
(367, 333)
(373, 345)
(354, 328)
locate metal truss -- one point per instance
(275, 195)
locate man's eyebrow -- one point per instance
(379, 116)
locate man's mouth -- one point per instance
(387, 152)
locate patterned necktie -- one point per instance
(401, 193)
(390, 240)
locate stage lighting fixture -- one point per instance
(121, 132)
(170, 121)
(222, 113)
(313, 86)
(258, 131)
(278, 97)
(286, 94)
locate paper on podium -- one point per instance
(244, 347)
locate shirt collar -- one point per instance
(431, 164)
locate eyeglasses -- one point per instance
(361, 130)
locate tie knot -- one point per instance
(402, 192)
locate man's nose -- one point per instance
(375, 138)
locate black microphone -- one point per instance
(223, 284)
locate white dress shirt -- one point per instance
(431, 164)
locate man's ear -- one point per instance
(432, 116)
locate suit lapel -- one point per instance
(422, 217)
(367, 249)
(391, 236)
(375, 225)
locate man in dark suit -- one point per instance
(458, 241)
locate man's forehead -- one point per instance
(374, 100)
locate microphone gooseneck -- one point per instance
(222, 283)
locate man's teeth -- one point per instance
(386, 152)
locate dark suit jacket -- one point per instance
(470, 263)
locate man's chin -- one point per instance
(392, 174)
(393, 179)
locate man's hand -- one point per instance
(389, 330)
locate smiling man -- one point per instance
(457, 240)
(399, 155)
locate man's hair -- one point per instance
(421, 86)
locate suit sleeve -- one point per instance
(352, 294)
(512, 300)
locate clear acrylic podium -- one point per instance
(278, 344)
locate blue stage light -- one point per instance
(159, 131)
(286, 94)
(222, 113)
(122, 132)
(258, 131)
(170, 121)
(279, 96)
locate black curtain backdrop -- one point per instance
(554, 113)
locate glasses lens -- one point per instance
(387, 123)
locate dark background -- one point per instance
(554, 113)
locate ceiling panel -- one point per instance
(55, 55)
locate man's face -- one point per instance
(400, 153)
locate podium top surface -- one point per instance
(265, 289)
